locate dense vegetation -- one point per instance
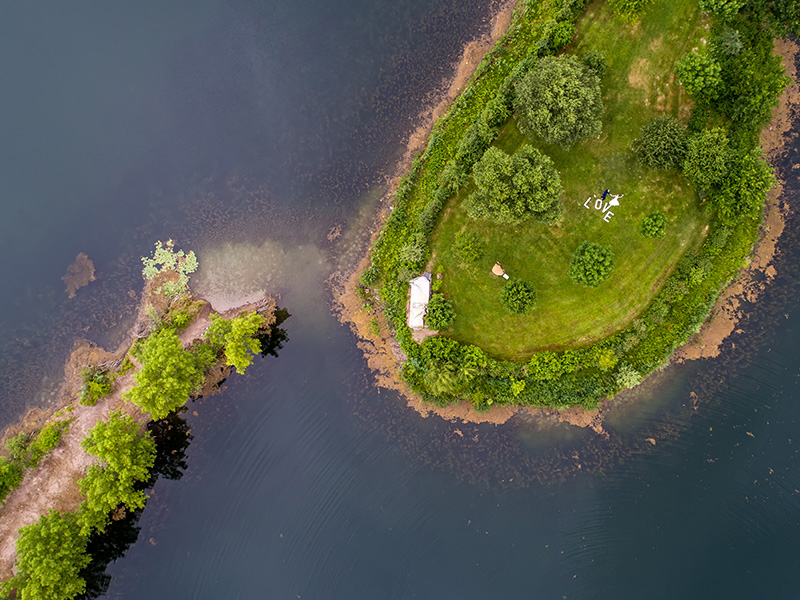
(734, 83)
(591, 264)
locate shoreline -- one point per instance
(384, 356)
(53, 484)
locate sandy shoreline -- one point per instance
(383, 354)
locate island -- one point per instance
(580, 208)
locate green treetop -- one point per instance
(236, 337)
(50, 554)
(512, 188)
(559, 100)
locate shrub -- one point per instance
(654, 225)
(595, 61)
(591, 264)
(440, 313)
(518, 296)
(628, 377)
(468, 247)
(44, 441)
(729, 42)
(708, 155)
(10, 476)
(369, 277)
(96, 384)
(512, 188)
(629, 10)
(745, 191)
(559, 100)
(661, 143)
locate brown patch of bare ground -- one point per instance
(53, 484)
(384, 356)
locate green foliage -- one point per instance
(595, 61)
(729, 42)
(745, 191)
(510, 189)
(165, 260)
(591, 264)
(628, 377)
(96, 385)
(26, 451)
(369, 276)
(559, 101)
(629, 10)
(606, 359)
(50, 555)
(707, 159)
(441, 313)
(518, 297)
(701, 76)
(167, 377)
(125, 456)
(10, 476)
(43, 442)
(236, 337)
(725, 9)
(654, 225)
(661, 143)
(468, 247)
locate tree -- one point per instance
(512, 188)
(661, 143)
(559, 100)
(654, 225)
(518, 296)
(744, 193)
(441, 313)
(701, 76)
(708, 155)
(167, 377)
(236, 337)
(50, 556)
(591, 264)
(725, 9)
(125, 456)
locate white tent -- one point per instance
(418, 303)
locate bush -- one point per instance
(369, 277)
(468, 247)
(708, 155)
(745, 191)
(512, 188)
(591, 264)
(654, 225)
(96, 384)
(10, 477)
(236, 337)
(661, 143)
(595, 61)
(440, 313)
(628, 377)
(518, 296)
(629, 10)
(559, 100)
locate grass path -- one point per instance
(639, 84)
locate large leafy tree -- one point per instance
(559, 101)
(701, 75)
(512, 188)
(744, 193)
(167, 377)
(661, 143)
(236, 337)
(50, 556)
(125, 456)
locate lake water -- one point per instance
(248, 131)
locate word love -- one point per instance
(603, 207)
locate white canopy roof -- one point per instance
(418, 304)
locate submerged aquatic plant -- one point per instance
(175, 265)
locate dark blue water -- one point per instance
(248, 130)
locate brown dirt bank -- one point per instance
(383, 353)
(53, 484)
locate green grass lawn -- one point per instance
(638, 85)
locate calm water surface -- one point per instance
(248, 130)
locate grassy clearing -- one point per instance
(638, 85)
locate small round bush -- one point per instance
(369, 276)
(440, 313)
(591, 264)
(661, 143)
(654, 225)
(468, 247)
(595, 60)
(518, 296)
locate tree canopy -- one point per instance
(591, 264)
(236, 337)
(708, 155)
(125, 456)
(167, 377)
(50, 556)
(559, 101)
(701, 75)
(512, 188)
